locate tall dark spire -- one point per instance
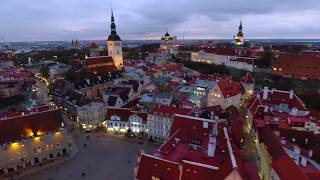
(240, 29)
(113, 36)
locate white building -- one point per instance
(225, 56)
(121, 120)
(160, 121)
(91, 116)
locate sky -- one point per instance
(53, 20)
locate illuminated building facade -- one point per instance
(31, 138)
(91, 116)
(120, 120)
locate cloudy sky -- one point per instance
(34, 20)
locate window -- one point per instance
(37, 150)
(155, 178)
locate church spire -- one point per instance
(240, 29)
(113, 36)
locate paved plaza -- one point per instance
(106, 157)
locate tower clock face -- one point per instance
(110, 44)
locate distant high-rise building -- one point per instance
(239, 38)
(114, 45)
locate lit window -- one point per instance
(155, 178)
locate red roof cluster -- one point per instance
(302, 65)
(281, 162)
(185, 154)
(16, 75)
(169, 110)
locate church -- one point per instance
(99, 65)
(239, 38)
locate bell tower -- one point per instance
(114, 45)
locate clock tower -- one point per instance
(114, 45)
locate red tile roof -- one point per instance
(123, 113)
(229, 88)
(169, 110)
(150, 166)
(18, 127)
(299, 65)
(16, 75)
(281, 162)
(98, 60)
(194, 164)
(247, 78)
(287, 169)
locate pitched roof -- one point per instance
(112, 100)
(277, 97)
(287, 169)
(123, 113)
(247, 78)
(150, 166)
(21, 126)
(272, 142)
(98, 60)
(169, 110)
(94, 46)
(229, 88)
(195, 163)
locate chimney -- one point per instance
(291, 94)
(303, 162)
(265, 93)
(211, 146)
(211, 115)
(310, 153)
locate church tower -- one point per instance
(114, 45)
(239, 39)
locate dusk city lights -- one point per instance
(159, 90)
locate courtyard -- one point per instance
(100, 156)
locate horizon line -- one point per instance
(189, 39)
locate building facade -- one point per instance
(30, 138)
(160, 121)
